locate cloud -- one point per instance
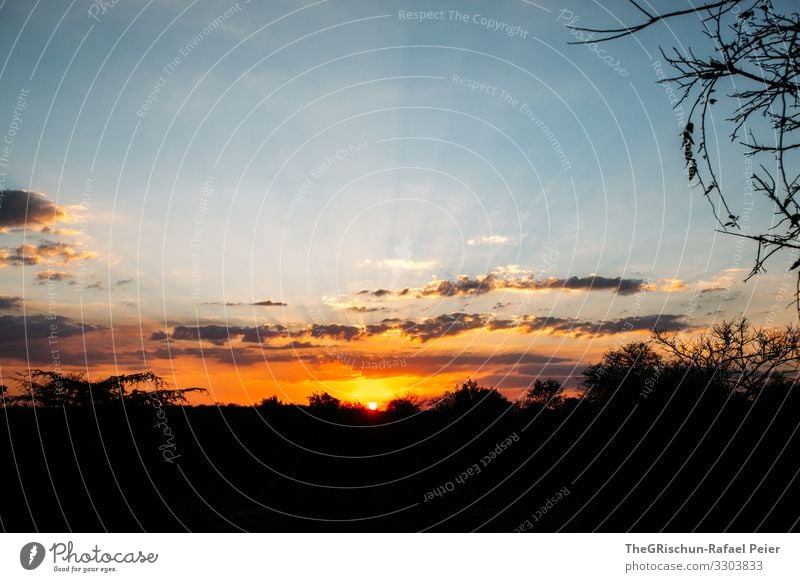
(463, 285)
(506, 365)
(562, 326)
(221, 334)
(423, 330)
(293, 346)
(216, 334)
(238, 357)
(334, 331)
(597, 283)
(45, 276)
(60, 253)
(20, 209)
(494, 239)
(382, 292)
(724, 280)
(10, 303)
(43, 338)
(521, 280)
(443, 325)
(663, 321)
(258, 335)
(265, 303)
(15, 328)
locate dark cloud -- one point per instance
(265, 303)
(10, 303)
(432, 327)
(47, 251)
(383, 326)
(232, 357)
(123, 282)
(365, 309)
(265, 332)
(449, 324)
(292, 346)
(558, 325)
(464, 285)
(25, 209)
(335, 331)
(664, 322)
(443, 325)
(376, 292)
(45, 276)
(528, 324)
(220, 334)
(597, 283)
(216, 334)
(38, 339)
(16, 328)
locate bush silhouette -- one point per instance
(734, 356)
(543, 394)
(624, 373)
(469, 396)
(322, 401)
(406, 405)
(42, 388)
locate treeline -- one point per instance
(732, 360)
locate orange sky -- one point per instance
(375, 368)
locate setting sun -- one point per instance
(372, 405)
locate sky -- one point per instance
(360, 198)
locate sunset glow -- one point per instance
(322, 221)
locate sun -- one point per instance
(372, 405)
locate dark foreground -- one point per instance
(682, 459)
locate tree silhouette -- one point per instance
(43, 388)
(469, 396)
(756, 60)
(323, 402)
(735, 356)
(623, 373)
(405, 405)
(543, 394)
(271, 402)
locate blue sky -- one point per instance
(302, 152)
